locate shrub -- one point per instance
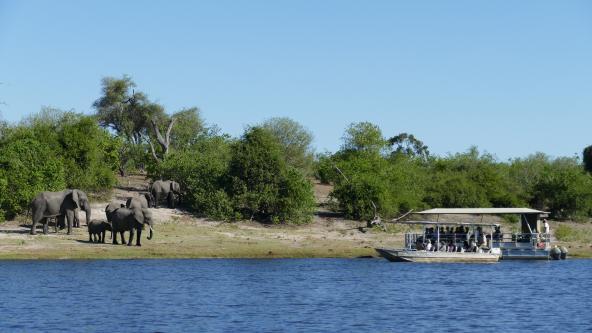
(201, 172)
(262, 186)
(27, 167)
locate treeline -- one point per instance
(399, 174)
(266, 174)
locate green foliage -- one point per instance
(363, 136)
(411, 179)
(51, 151)
(147, 133)
(408, 144)
(246, 179)
(393, 187)
(295, 142)
(262, 186)
(27, 167)
(324, 169)
(88, 152)
(189, 128)
(201, 171)
(470, 180)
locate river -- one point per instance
(294, 295)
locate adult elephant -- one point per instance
(112, 207)
(60, 205)
(165, 189)
(126, 219)
(143, 201)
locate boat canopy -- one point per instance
(477, 211)
(441, 223)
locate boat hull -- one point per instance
(402, 255)
(525, 254)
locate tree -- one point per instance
(188, 130)
(141, 122)
(587, 158)
(365, 137)
(261, 184)
(407, 144)
(295, 141)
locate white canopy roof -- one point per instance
(481, 211)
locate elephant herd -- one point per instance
(64, 207)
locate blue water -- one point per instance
(308, 295)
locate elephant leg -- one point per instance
(131, 237)
(139, 237)
(90, 237)
(46, 226)
(114, 237)
(102, 237)
(37, 213)
(122, 237)
(70, 220)
(156, 199)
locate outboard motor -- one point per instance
(555, 253)
(563, 252)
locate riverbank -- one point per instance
(179, 234)
(187, 237)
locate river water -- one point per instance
(294, 295)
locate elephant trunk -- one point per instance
(150, 233)
(87, 211)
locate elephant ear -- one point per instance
(139, 215)
(75, 198)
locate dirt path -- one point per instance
(179, 234)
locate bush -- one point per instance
(88, 152)
(201, 172)
(262, 186)
(27, 167)
(394, 186)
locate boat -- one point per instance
(453, 239)
(406, 255)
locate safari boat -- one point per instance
(458, 239)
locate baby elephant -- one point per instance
(97, 229)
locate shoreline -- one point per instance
(181, 235)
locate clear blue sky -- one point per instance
(512, 77)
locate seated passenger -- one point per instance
(451, 247)
(473, 246)
(429, 246)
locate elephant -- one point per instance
(97, 230)
(63, 205)
(111, 207)
(165, 189)
(126, 219)
(144, 201)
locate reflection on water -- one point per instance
(303, 295)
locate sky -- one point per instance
(510, 77)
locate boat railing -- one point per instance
(514, 240)
(522, 240)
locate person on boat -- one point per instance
(451, 247)
(442, 246)
(473, 246)
(497, 234)
(546, 226)
(429, 245)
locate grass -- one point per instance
(178, 240)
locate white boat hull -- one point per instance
(402, 255)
